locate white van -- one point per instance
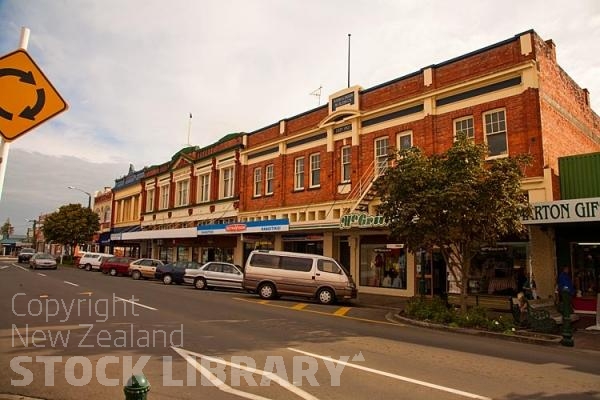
(92, 261)
(273, 273)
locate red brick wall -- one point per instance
(569, 125)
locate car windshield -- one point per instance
(44, 256)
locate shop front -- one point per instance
(381, 265)
(575, 225)
(241, 238)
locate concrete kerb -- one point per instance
(17, 397)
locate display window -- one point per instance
(500, 270)
(382, 266)
(586, 269)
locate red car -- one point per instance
(116, 266)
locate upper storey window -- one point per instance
(495, 132)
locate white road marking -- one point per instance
(40, 274)
(136, 303)
(70, 283)
(187, 355)
(5, 266)
(18, 266)
(394, 376)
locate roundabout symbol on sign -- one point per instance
(27, 98)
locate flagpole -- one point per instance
(349, 59)
(189, 129)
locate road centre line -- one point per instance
(70, 283)
(394, 376)
(321, 312)
(136, 303)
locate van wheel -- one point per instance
(200, 283)
(88, 267)
(267, 291)
(326, 296)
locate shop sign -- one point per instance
(362, 220)
(576, 210)
(267, 226)
(342, 100)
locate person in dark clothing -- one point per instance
(565, 282)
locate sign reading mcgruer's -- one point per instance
(362, 220)
(27, 98)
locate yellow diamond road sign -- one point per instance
(27, 98)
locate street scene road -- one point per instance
(72, 334)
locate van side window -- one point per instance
(265, 261)
(328, 266)
(297, 264)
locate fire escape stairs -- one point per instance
(364, 192)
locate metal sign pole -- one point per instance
(5, 144)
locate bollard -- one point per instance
(567, 330)
(137, 388)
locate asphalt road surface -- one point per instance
(73, 334)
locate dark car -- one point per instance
(25, 254)
(115, 265)
(174, 272)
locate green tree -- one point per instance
(70, 225)
(6, 229)
(456, 201)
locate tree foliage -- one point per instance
(6, 229)
(456, 201)
(71, 224)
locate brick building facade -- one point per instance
(304, 183)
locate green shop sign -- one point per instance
(362, 220)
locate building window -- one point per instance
(315, 170)
(150, 200)
(204, 188)
(381, 155)
(269, 178)
(463, 128)
(257, 182)
(299, 174)
(164, 197)
(346, 166)
(227, 182)
(181, 197)
(495, 132)
(404, 140)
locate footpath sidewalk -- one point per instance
(583, 339)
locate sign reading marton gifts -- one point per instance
(576, 210)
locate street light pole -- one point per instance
(83, 191)
(33, 237)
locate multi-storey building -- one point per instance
(103, 207)
(197, 188)
(316, 169)
(126, 212)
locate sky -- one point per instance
(132, 72)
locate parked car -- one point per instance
(174, 272)
(42, 260)
(25, 254)
(92, 261)
(215, 274)
(115, 265)
(273, 273)
(144, 268)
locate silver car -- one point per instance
(215, 274)
(42, 260)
